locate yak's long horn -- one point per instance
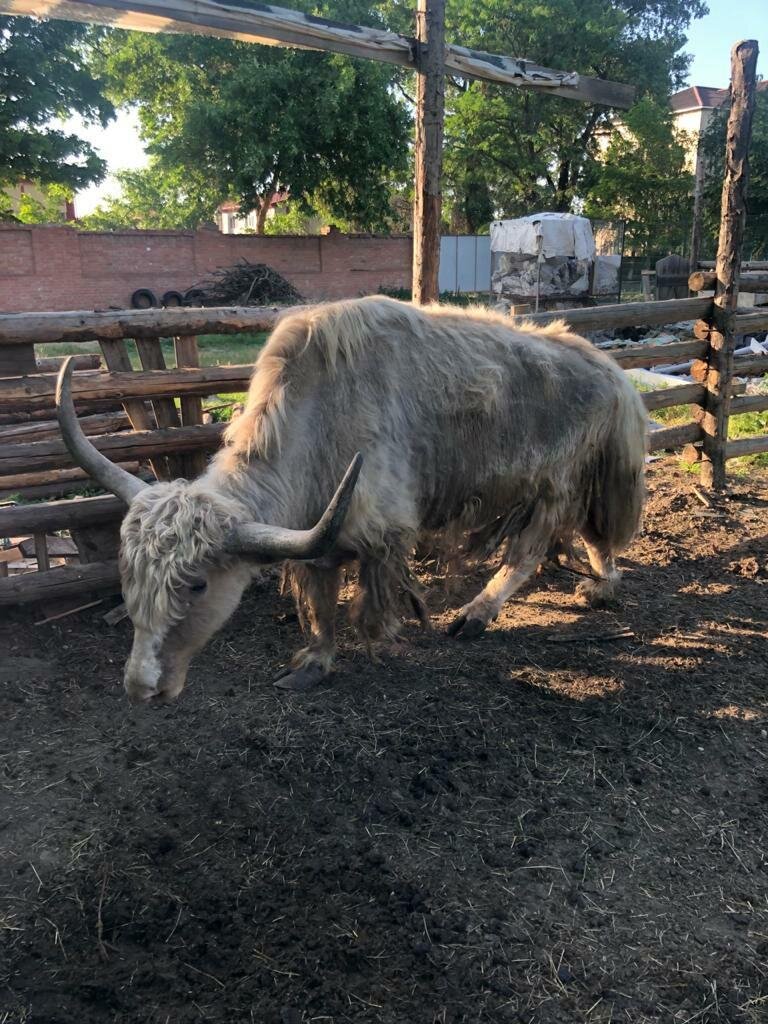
(276, 543)
(89, 458)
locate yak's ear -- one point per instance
(89, 458)
(276, 543)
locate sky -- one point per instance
(709, 40)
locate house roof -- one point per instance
(698, 97)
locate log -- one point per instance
(745, 266)
(84, 325)
(749, 403)
(706, 280)
(52, 364)
(63, 581)
(42, 430)
(47, 411)
(668, 398)
(656, 355)
(727, 266)
(41, 553)
(166, 413)
(627, 314)
(674, 437)
(60, 515)
(56, 547)
(130, 445)
(428, 152)
(750, 323)
(50, 481)
(746, 446)
(750, 366)
(188, 355)
(264, 23)
(38, 392)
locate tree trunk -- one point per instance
(261, 217)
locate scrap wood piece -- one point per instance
(58, 547)
(621, 634)
(69, 611)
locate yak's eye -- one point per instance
(198, 586)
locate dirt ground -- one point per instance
(563, 821)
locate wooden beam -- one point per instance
(705, 280)
(747, 265)
(668, 398)
(279, 26)
(626, 314)
(85, 325)
(39, 392)
(30, 587)
(428, 153)
(657, 355)
(44, 430)
(129, 445)
(722, 340)
(674, 437)
(60, 515)
(746, 446)
(750, 366)
(749, 403)
(188, 354)
(749, 323)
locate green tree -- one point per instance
(49, 208)
(256, 120)
(516, 151)
(155, 197)
(44, 76)
(643, 181)
(713, 146)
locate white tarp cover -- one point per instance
(561, 234)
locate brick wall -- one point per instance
(56, 268)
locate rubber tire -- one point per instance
(171, 300)
(143, 298)
(194, 297)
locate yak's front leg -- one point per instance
(484, 609)
(316, 592)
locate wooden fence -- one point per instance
(144, 426)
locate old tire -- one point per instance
(171, 300)
(143, 298)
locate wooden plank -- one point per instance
(746, 446)
(627, 314)
(706, 280)
(21, 484)
(746, 265)
(270, 25)
(33, 393)
(750, 366)
(638, 356)
(43, 430)
(63, 581)
(16, 359)
(674, 437)
(127, 446)
(60, 515)
(188, 355)
(750, 323)
(56, 547)
(52, 364)
(748, 403)
(85, 325)
(428, 152)
(41, 553)
(166, 413)
(668, 398)
(722, 340)
(116, 357)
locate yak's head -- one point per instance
(187, 553)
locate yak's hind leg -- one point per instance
(383, 586)
(599, 591)
(484, 609)
(316, 592)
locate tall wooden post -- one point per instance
(722, 339)
(698, 204)
(430, 110)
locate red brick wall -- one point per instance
(56, 268)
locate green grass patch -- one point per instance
(215, 349)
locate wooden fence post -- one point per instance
(722, 338)
(430, 109)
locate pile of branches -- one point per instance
(244, 284)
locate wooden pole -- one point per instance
(714, 416)
(698, 206)
(430, 110)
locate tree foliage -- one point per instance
(713, 150)
(155, 197)
(44, 76)
(643, 180)
(255, 120)
(515, 151)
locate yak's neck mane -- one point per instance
(337, 333)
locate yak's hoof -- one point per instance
(466, 628)
(300, 680)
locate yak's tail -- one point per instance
(617, 491)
